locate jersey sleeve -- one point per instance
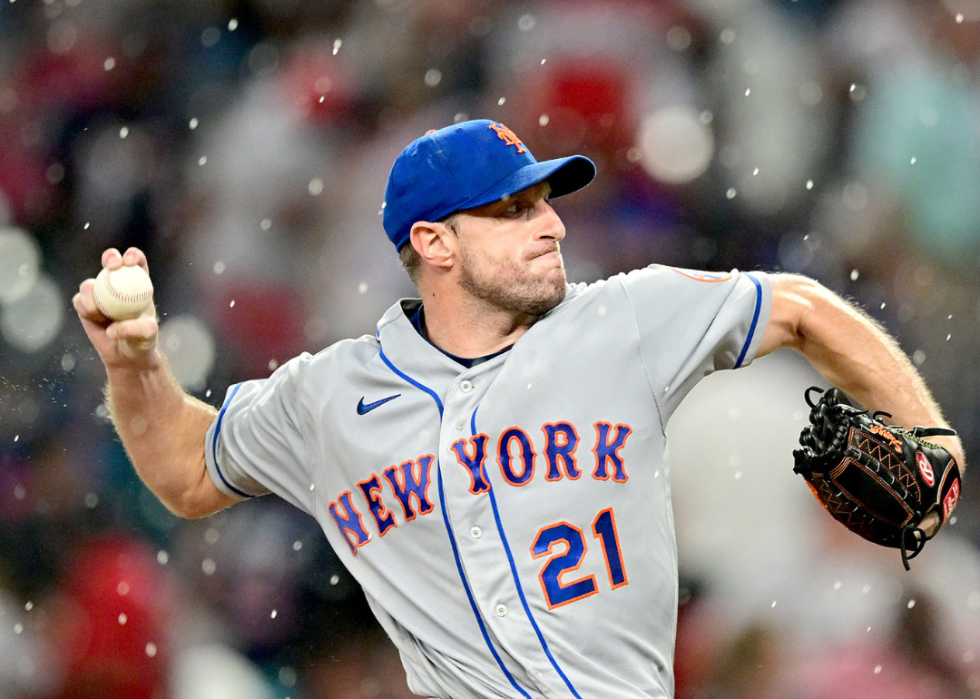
(256, 446)
(692, 323)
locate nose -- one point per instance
(550, 225)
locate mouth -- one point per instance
(551, 252)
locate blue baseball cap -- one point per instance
(467, 165)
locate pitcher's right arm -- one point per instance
(161, 427)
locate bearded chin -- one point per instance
(513, 290)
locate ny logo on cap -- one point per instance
(508, 137)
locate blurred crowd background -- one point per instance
(245, 144)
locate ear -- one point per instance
(435, 243)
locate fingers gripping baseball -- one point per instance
(116, 309)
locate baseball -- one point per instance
(124, 293)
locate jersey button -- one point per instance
(501, 610)
(460, 425)
(476, 532)
(465, 386)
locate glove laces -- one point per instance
(911, 534)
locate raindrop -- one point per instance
(912, 161)
(67, 363)
(123, 619)
(773, 604)
(911, 603)
(219, 267)
(738, 475)
(287, 677)
(208, 566)
(877, 669)
(312, 486)
(193, 123)
(274, 614)
(362, 288)
(162, 557)
(210, 36)
(748, 91)
(866, 589)
(273, 364)
(297, 545)
(959, 18)
(151, 650)
(110, 63)
(207, 393)
(883, 305)
(526, 23)
(91, 500)
(837, 585)
(857, 92)
(755, 172)
(55, 173)
(948, 336)
(918, 357)
(18, 628)
(727, 36)
(29, 606)
(190, 350)
(336, 46)
(123, 132)
(809, 184)
(432, 77)
(731, 193)
(334, 579)
(202, 160)
(501, 101)
(678, 38)
(929, 116)
(265, 224)
(854, 275)
(85, 227)
(211, 535)
(232, 24)
(122, 588)
(543, 120)
(543, 60)
(16, 438)
(315, 187)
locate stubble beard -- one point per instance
(510, 287)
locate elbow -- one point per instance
(794, 298)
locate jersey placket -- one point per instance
(480, 537)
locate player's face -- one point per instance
(509, 254)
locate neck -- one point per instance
(469, 327)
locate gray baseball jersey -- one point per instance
(510, 523)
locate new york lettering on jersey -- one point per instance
(408, 484)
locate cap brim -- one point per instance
(565, 175)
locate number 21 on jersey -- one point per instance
(569, 558)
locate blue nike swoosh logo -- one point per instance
(363, 409)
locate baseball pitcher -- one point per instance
(491, 463)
